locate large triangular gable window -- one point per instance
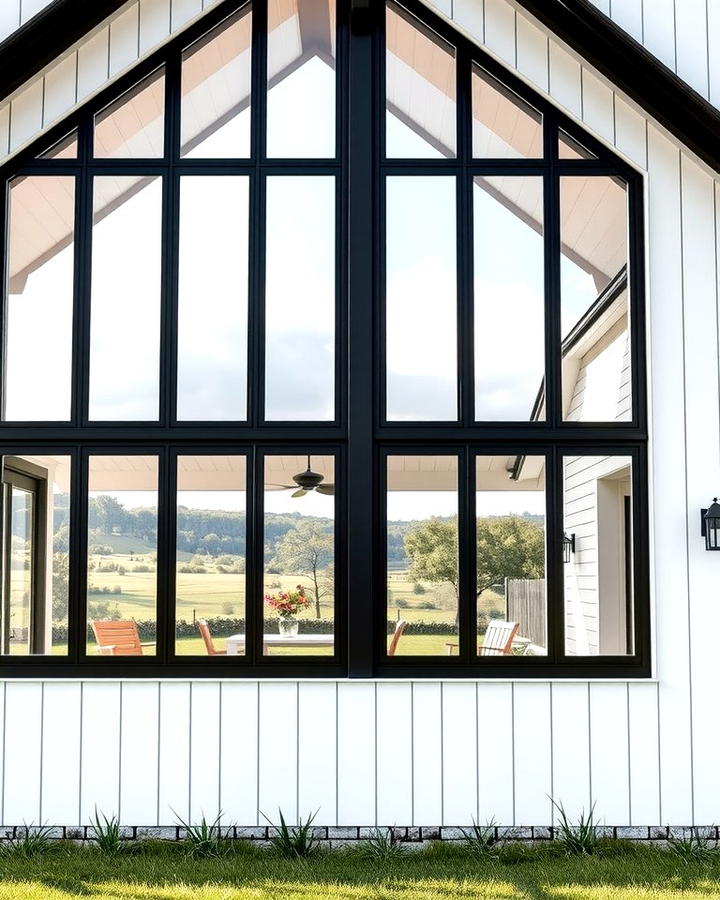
(323, 355)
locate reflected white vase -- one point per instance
(288, 627)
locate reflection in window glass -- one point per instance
(421, 298)
(504, 126)
(213, 298)
(63, 149)
(511, 593)
(210, 555)
(300, 298)
(122, 555)
(133, 127)
(422, 555)
(301, 78)
(125, 302)
(569, 148)
(420, 90)
(509, 298)
(599, 561)
(36, 500)
(215, 94)
(299, 555)
(39, 310)
(596, 370)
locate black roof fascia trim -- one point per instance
(46, 36)
(635, 71)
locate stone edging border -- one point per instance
(344, 835)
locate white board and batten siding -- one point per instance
(429, 752)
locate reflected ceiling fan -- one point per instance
(305, 482)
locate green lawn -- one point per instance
(443, 873)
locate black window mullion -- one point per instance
(254, 557)
(170, 244)
(467, 564)
(553, 338)
(554, 556)
(165, 567)
(83, 278)
(78, 558)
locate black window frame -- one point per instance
(360, 435)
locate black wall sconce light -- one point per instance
(710, 525)
(569, 545)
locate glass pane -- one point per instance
(509, 298)
(133, 127)
(213, 298)
(122, 555)
(64, 149)
(598, 556)
(36, 615)
(125, 304)
(421, 298)
(39, 310)
(300, 298)
(596, 369)
(422, 555)
(215, 99)
(22, 571)
(569, 148)
(301, 78)
(504, 126)
(210, 560)
(511, 594)
(420, 90)
(299, 555)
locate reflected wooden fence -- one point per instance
(525, 603)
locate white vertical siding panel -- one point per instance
(532, 754)
(139, 734)
(427, 753)
(9, 17)
(23, 733)
(532, 52)
(5, 130)
(317, 756)
(204, 750)
(61, 754)
(630, 132)
(571, 748)
(100, 754)
(468, 14)
(356, 754)
(610, 785)
(598, 112)
(154, 23)
(183, 11)
(714, 50)
(602, 5)
(669, 476)
(394, 753)
(278, 751)
(691, 43)
(659, 30)
(93, 59)
(60, 87)
(460, 770)
(644, 754)
(628, 15)
(565, 86)
(239, 752)
(174, 753)
(703, 470)
(495, 753)
(26, 113)
(31, 8)
(500, 29)
(124, 38)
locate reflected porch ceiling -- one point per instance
(421, 91)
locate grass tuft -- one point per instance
(205, 839)
(382, 845)
(481, 839)
(579, 839)
(32, 842)
(107, 835)
(692, 848)
(297, 842)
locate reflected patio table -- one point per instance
(236, 642)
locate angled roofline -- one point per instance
(628, 65)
